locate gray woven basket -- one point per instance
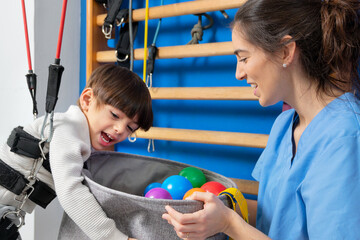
(118, 181)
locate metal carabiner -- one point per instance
(24, 195)
(149, 80)
(121, 22)
(121, 60)
(18, 214)
(41, 148)
(151, 143)
(107, 33)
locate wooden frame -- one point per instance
(179, 9)
(182, 51)
(203, 93)
(208, 137)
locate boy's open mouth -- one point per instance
(106, 137)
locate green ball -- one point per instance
(194, 175)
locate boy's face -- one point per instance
(107, 124)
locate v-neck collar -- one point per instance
(296, 119)
(295, 122)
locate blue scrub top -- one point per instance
(315, 195)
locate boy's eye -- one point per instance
(131, 129)
(114, 115)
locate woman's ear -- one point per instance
(86, 98)
(289, 50)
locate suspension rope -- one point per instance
(26, 35)
(158, 27)
(31, 76)
(152, 55)
(61, 30)
(131, 36)
(54, 80)
(145, 38)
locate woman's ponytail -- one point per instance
(341, 41)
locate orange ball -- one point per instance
(191, 191)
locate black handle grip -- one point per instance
(55, 73)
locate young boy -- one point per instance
(114, 103)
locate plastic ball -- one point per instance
(194, 175)
(191, 191)
(151, 186)
(158, 193)
(213, 187)
(177, 186)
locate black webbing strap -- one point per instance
(11, 179)
(15, 182)
(8, 229)
(113, 7)
(21, 142)
(123, 45)
(42, 194)
(151, 59)
(122, 16)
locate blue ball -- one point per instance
(151, 186)
(177, 186)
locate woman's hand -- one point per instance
(214, 218)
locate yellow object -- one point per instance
(145, 38)
(236, 197)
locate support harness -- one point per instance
(23, 143)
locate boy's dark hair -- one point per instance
(326, 32)
(123, 89)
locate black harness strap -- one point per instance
(123, 45)
(42, 194)
(15, 182)
(122, 16)
(11, 179)
(23, 143)
(113, 7)
(8, 229)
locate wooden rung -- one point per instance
(178, 9)
(247, 186)
(182, 51)
(203, 93)
(208, 137)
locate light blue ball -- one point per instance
(177, 186)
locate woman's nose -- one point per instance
(240, 73)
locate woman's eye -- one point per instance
(114, 115)
(242, 59)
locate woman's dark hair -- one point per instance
(326, 32)
(122, 89)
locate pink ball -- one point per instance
(158, 193)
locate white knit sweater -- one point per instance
(70, 147)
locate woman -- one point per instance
(305, 53)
